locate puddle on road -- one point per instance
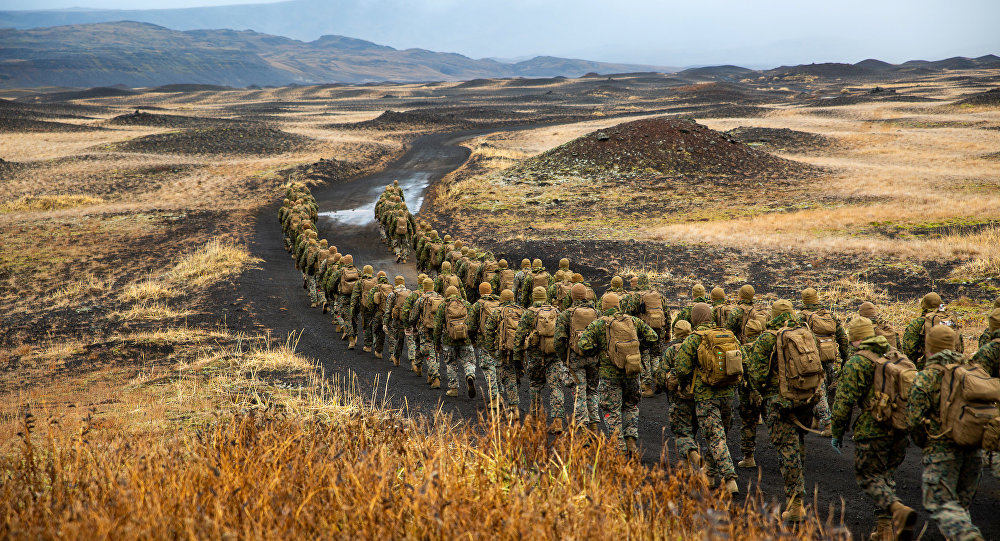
(413, 191)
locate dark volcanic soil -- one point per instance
(780, 138)
(141, 118)
(990, 98)
(241, 139)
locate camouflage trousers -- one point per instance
(488, 364)
(585, 381)
(366, 326)
(395, 338)
(749, 416)
(411, 343)
(950, 481)
(545, 370)
(715, 426)
(377, 332)
(875, 463)
(427, 355)
(650, 362)
(683, 425)
(458, 355)
(344, 315)
(507, 380)
(790, 443)
(313, 290)
(400, 248)
(620, 404)
(822, 408)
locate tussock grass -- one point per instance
(852, 290)
(150, 312)
(212, 262)
(81, 288)
(978, 269)
(145, 291)
(49, 202)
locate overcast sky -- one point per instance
(753, 33)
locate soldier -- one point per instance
(569, 327)
(500, 331)
(535, 340)
(447, 278)
(360, 310)
(345, 282)
(401, 226)
(710, 400)
(519, 278)
(882, 327)
(392, 318)
(697, 295)
(932, 312)
(682, 416)
(427, 252)
(537, 277)
(833, 350)
(618, 387)
(376, 298)
(986, 336)
(451, 336)
(411, 329)
(747, 321)
(879, 447)
(649, 305)
(951, 472)
(564, 266)
(560, 289)
(617, 288)
(577, 278)
(988, 354)
(422, 315)
(502, 278)
(479, 316)
(785, 417)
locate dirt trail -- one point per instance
(276, 300)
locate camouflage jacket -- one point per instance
(563, 337)
(988, 355)
(518, 281)
(735, 321)
(840, 336)
(854, 388)
(923, 408)
(370, 297)
(555, 289)
(440, 332)
(477, 331)
(525, 328)
(527, 285)
(335, 279)
(913, 341)
(594, 343)
(685, 313)
(389, 302)
(493, 328)
(667, 364)
(761, 375)
(356, 306)
(686, 368)
(408, 305)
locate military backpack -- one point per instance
(402, 225)
(367, 284)
(968, 406)
(507, 279)
(580, 317)
(382, 293)
(455, 314)
(942, 317)
(544, 333)
(754, 323)
(800, 371)
(886, 330)
(486, 309)
(894, 375)
(472, 274)
(651, 309)
(623, 343)
(563, 289)
(348, 277)
(398, 301)
(720, 359)
(510, 318)
(540, 279)
(432, 300)
(824, 327)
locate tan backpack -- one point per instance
(824, 327)
(800, 372)
(367, 284)
(651, 309)
(943, 317)
(894, 375)
(507, 279)
(348, 278)
(540, 279)
(432, 300)
(721, 314)
(968, 404)
(455, 314)
(398, 301)
(472, 274)
(890, 334)
(402, 225)
(754, 323)
(623, 343)
(453, 280)
(382, 295)
(435, 251)
(580, 317)
(486, 309)
(544, 335)
(720, 359)
(510, 318)
(563, 290)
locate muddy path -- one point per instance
(278, 302)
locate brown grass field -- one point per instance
(131, 409)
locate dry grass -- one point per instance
(145, 291)
(81, 288)
(150, 312)
(212, 262)
(978, 269)
(49, 202)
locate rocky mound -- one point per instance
(730, 111)
(141, 118)
(14, 123)
(714, 92)
(837, 101)
(188, 88)
(779, 138)
(96, 92)
(242, 139)
(395, 120)
(658, 147)
(990, 98)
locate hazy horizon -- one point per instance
(664, 33)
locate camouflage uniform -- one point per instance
(487, 359)
(685, 313)
(455, 352)
(822, 409)
(410, 330)
(518, 283)
(359, 313)
(682, 417)
(542, 368)
(619, 392)
(880, 448)
(376, 328)
(619, 291)
(951, 473)
(394, 327)
(583, 369)
(787, 438)
(343, 306)
(631, 304)
(711, 403)
(988, 356)
(400, 243)
(507, 379)
(750, 402)
(527, 285)
(913, 339)
(427, 356)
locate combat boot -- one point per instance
(747, 462)
(557, 426)
(470, 381)
(883, 530)
(344, 335)
(352, 342)
(312, 305)
(794, 511)
(647, 391)
(631, 446)
(733, 487)
(694, 459)
(903, 519)
(378, 354)
(326, 307)
(452, 392)
(436, 384)
(394, 360)
(366, 349)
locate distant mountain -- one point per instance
(142, 54)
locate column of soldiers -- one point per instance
(797, 371)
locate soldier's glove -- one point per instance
(836, 444)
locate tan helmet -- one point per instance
(860, 328)
(421, 277)
(700, 313)
(395, 182)
(564, 264)
(525, 263)
(994, 320)
(447, 238)
(485, 289)
(810, 296)
(536, 264)
(609, 301)
(617, 282)
(578, 292)
(323, 243)
(347, 259)
(337, 258)
(400, 281)
(718, 294)
(697, 291)
(682, 329)
(867, 310)
(506, 295)
(367, 269)
(746, 293)
(463, 249)
(538, 294)
(559, 276)
(781, 306)
(333, 249)
(381, 274)
(940, 338)
(433, 234)
(931, 301)
(996, 303)
(502, 264)
(446, 266)
(428, 284)
(577, 278)
(459, 245)
(452, 291)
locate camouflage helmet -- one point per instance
(347, 259)
(323, 243)
(502, 264)
(617, 282)
(421, 277)
(609, 301)
(564, 264)
(367, 269)
(578, 292)
(781, 306)
(642, 281)
(559, 275)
